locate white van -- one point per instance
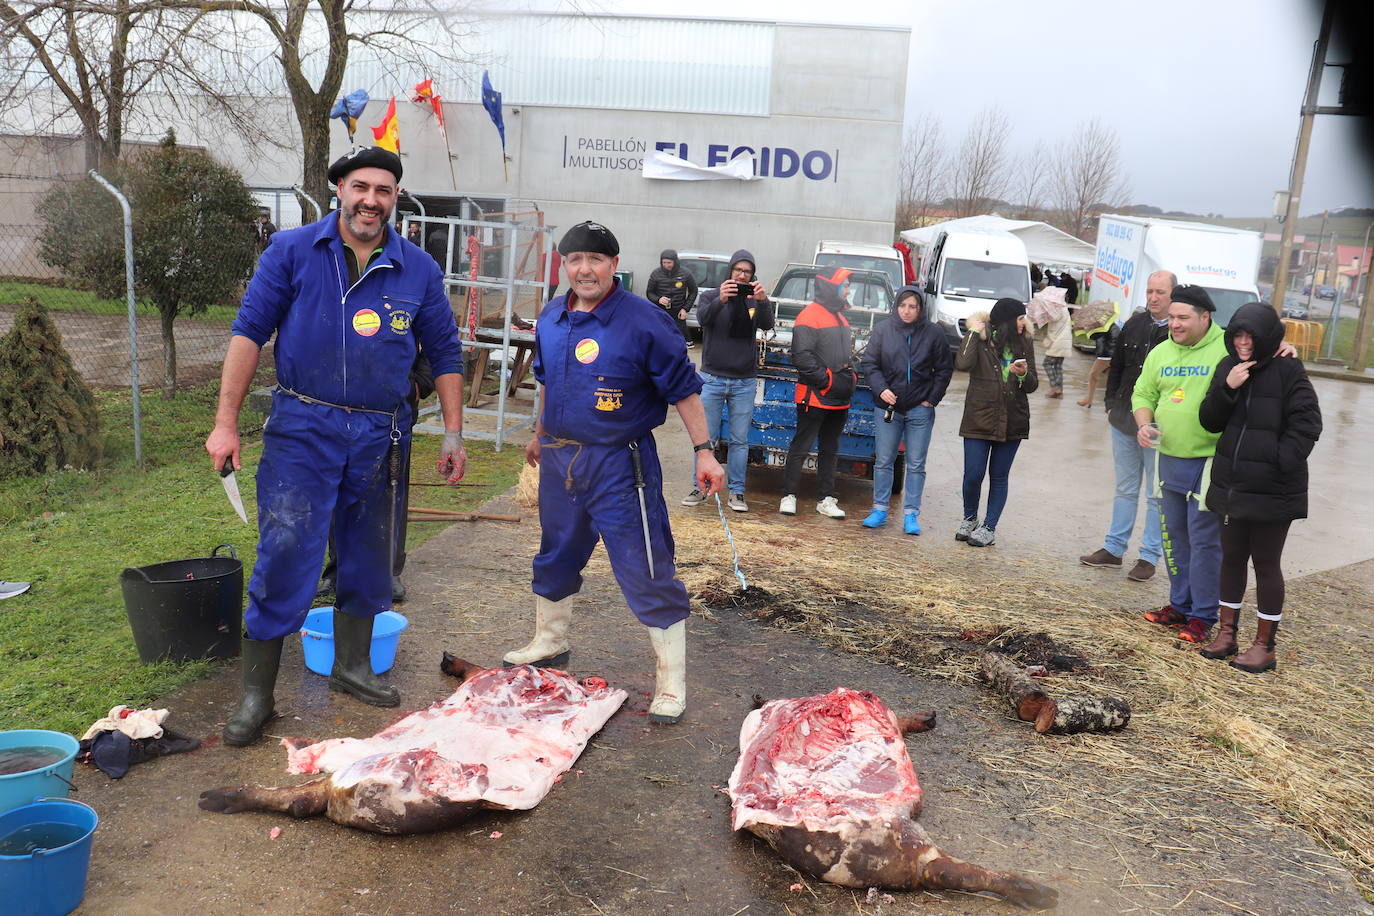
(862, 256)
(1222, 260)
(967, 270)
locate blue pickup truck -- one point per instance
(775, 408)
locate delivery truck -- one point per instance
(1224, 261)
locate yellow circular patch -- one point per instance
(586, 350)
(366, 322)
(1177, 396)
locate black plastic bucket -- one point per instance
(186, 609)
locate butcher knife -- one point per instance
(231, 488)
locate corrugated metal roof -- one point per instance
(598, 62)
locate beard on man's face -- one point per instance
(366, 233)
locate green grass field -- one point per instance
(62, 299)
(66, 651)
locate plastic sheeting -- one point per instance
(659, 164)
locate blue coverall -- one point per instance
(608, 376)
(351, 347)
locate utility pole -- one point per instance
(1359, 353)
(1309, 112)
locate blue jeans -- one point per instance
(1192, 539)
(915, 426)
(1132, 462)
(738, 393)
(993, 458)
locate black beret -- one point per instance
(1193, 295)
(589, 236)
(364, 157)
(1006, 310)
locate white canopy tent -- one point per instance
(1044, 243)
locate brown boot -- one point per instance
(1260, 656)
(1224, 646)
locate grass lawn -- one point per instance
(66, 652)
(62, 299)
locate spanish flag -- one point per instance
(388, 133)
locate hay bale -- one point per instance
(527, 489)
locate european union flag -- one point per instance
(491, 101)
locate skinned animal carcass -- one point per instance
(500, 741)
(828, 783)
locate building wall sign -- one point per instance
(627, 154)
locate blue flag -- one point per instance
(491, 101)
(349, 108)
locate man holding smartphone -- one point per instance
(729, 318)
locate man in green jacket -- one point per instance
(1165, 401)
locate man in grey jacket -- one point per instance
(729, 318)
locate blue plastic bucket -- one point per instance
(52, 780)
(47, 881)
(317, 639)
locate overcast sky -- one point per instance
(1204, 94)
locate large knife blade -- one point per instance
(231, 488)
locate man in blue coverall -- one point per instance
(348, 299)
(610, 362)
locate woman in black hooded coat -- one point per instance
(1269, 420)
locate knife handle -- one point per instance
(228, 467)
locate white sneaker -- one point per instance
(737, 502)
(829, 508)
(966, 528)
(788, 506)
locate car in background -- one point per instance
(870, 299)
(861, 256)
(1326, 292)
(710, 269)
(1298, 312)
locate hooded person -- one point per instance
(672, 288)
(730, 318)
(822, 352)
(907, 364)
(611, 363)
(999, 357)
(1267, 413)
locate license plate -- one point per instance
(776, 458)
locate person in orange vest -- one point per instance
(823, 353)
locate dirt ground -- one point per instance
(642, 825)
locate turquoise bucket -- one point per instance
(51, 839)
(52, 780)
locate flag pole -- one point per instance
(449, 149)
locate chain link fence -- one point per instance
(95, 324)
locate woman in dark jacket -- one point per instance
(1268, 417)
(1000, 360)
(908, 366)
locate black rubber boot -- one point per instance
(353, 662)
(261, 659)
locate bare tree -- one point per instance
(1088, 175)
(1033, 173)
(980, 172)
(312, 41)
(103, 55)
(98, 58)
(921, 172)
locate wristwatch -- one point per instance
(702, 447)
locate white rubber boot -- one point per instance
(549, 648)
(670, 674)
